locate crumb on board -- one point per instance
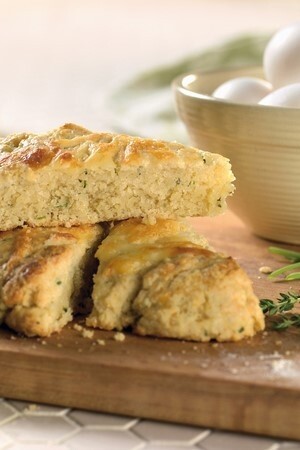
(83, 331)
(59, 345)
(278, 343)
(87, 333)
(13, 337)
(120, 337)
(265, 269)
(100, 342)
(43, 342)
(215, 345)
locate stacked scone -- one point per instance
(71, 199)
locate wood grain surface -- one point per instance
(251, 386)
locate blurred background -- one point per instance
(67, 60)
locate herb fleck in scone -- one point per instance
(44, 276)
(162, 281)
(71, 176)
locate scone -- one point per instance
(198, 295)
(71, 176)
(162, 281)
(44, 276)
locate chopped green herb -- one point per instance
(84, 183)
(241, 330)
(58, 282)
(67, 201)
(178, 181)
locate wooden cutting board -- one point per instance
(251, 386)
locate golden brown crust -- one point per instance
(132, 234)
(40, 274)
(74, 145)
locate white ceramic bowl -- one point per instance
(262, 143)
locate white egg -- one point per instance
(248, 90)
(282, 57)
(287, 96)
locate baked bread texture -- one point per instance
(71, 176)
(44, 275)
(162, 280)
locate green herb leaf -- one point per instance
(288, 254)
(291, 256)
(285, 303)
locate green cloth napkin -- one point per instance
(145, 106)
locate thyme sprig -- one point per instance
(290, 269)
(285, 303)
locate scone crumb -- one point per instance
(100, 342)
(83, 331)
(87, 333)
(265, 269)
(119, 337)
(215, 345)
(79, 350)
(59, 345)
(278, 343)
(13, 337)
(43, 342)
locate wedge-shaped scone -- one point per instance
(198, 295)
(161, 280)
(44, 275)
(72, 176)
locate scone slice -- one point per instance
(161, 281)
(45, 273)
(71, 176)
(130, 249)
(197, 295)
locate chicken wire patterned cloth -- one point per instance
(25, 426)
